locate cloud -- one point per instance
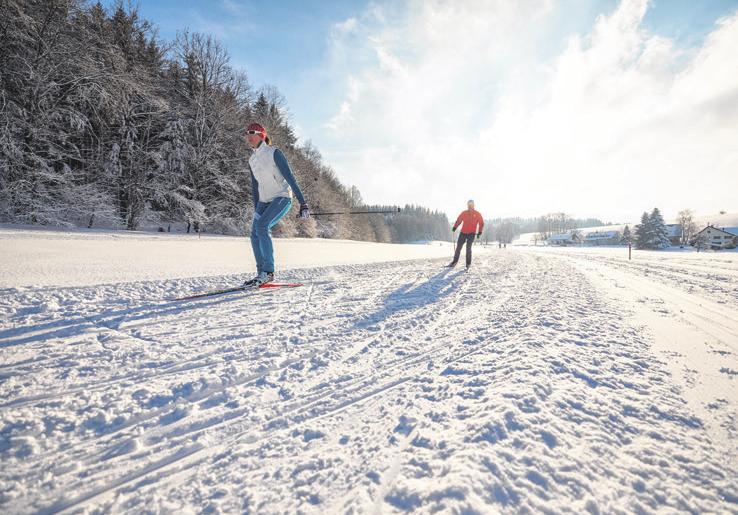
(233, 7)
(345, 27)
(344, 116)
(228, 21)
(447, 100)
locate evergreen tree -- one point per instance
(659, 231)
(627, 236)
(643, 233)
(652, 232)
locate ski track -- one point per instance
(514, 387)
(694, 331)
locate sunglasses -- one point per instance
(251, 133)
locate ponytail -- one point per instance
(267, 140)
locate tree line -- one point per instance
(505, 230)
(102, 124)
(651, 233)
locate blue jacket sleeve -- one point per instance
(254, 190)
(284, 168)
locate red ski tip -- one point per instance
(280, 285)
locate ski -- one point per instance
(265, 286)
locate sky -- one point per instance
(600, 108)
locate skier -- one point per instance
(272, 184)
(473, 224)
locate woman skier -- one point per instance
(473, 224)
(272, 185)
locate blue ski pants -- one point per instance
(266, 216)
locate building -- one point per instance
(603, 238)
(716, 238)
(674, 232)
(565, 238)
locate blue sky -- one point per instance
(279, 43)
(354, 72)
(284, 43)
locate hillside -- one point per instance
(105, 125)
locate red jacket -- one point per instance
(470, 219)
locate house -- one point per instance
(565, 238)
(674, 232)
(603, 238)
(716, 238)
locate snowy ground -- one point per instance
(59, 258)
(543, 379)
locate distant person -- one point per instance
(472, 225)
(272, 185)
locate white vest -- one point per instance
(271, 182)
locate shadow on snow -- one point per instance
(412, 296)
(108, 319)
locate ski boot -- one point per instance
(263, 278)
(248, 283)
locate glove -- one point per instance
(453, 229)
(479, 235)
(304, 211)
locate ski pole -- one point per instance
(357, 212)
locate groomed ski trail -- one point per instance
(379, 388)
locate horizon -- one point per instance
(535, 106)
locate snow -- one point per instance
(543, 379)
(57, 258)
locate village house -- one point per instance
(716, 238)
(603, 238)
(564, 239)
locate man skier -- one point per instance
(473, 224)
(272, 185)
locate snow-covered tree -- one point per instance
(688, 226)
(627, 236)
(700, 240)
(643, 233)
(502, 232)
(660, 233)
(103, 124)
(652, 232)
